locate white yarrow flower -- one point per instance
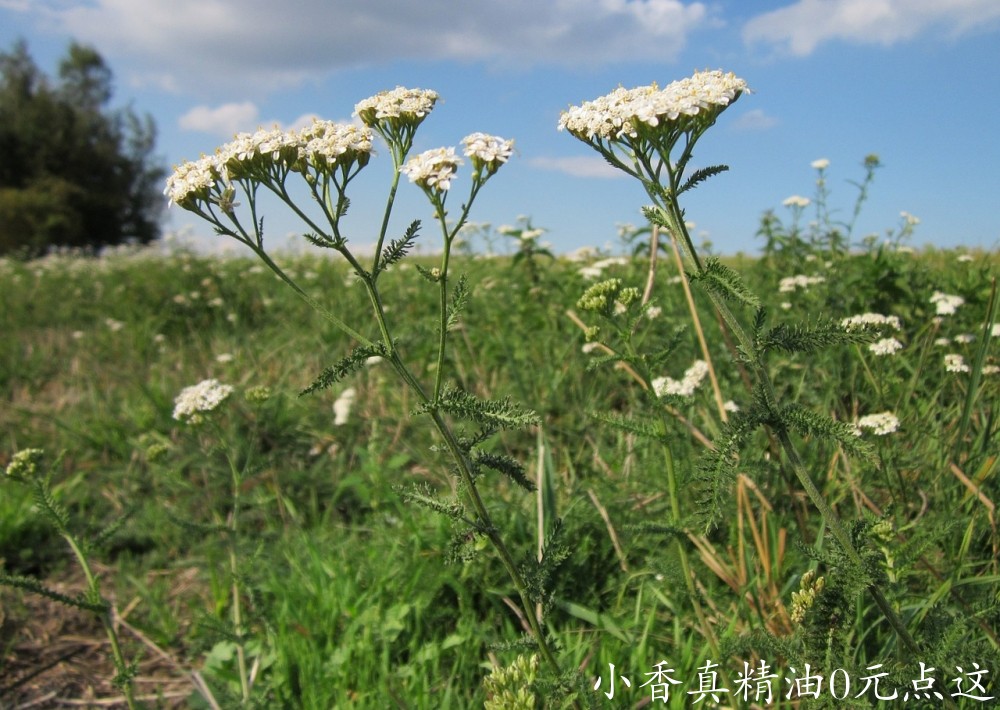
(946, 304)
(870, 319)
(880, 424)
(886, 346)
(199, 399)
(820, 164)
(953, 362)
(686, 387)
(433, 169)
(796, 201)
(342, 407)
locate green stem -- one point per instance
(798, 467)
(106, 621)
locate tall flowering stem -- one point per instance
(328, 156)
(650, 134)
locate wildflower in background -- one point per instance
(964, 338)
(342, 407)
(113, 325)
(258, 394)
(995, 330)
(880, 424)
(965, 258)
(820, 164)
(886, 346)
(223, 358)
(796, 201)
(953, 362)
(942, 342)
(200, 399)
(791, 283)
(433, 169)
(730, 406)
(653, 312)
(946, 304)
(909, 219)
(24, 464)
(686, 387)
(990, 369)
(870, 319)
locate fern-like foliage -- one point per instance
(459, 300)
(640, 426)
(723, 281)
(495, 413)
(717, 469)
(538, 574)
(422, 495)
(50, 507)
(31, 584)
(398, 248)
(110, 530)
(319, 240)
(506, 465)
(345, 366)
(807, 422)
(809, 337)
(700, 176)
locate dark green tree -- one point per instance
(73, 172)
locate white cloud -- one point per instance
(225, 120)
(754, 120)
(802, 26)
(246, 45)
(585, 166)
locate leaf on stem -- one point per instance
(723, 281)
(808, 337)
(700, 176)
(506, 465)
(807, 422)
(33, 585)
(459, 300)
(345, 366)
(498, 413)
(398, 248)
(646, 428)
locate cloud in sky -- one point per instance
(754, 120)
(229, 119)
(584, 166)
(802, 26)
(239, 43)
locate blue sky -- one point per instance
(915, 81)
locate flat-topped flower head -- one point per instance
(433, 169)
(624, 113)
(326, 144)
(399, 106)
(192, 181)
(487, 152)
(252, 155)
(879, 424)
(200, 399)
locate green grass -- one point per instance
(352, 595)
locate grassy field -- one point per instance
(349, 596)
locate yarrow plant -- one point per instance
(223, 189)
(650, 134)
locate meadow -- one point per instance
(353, 597)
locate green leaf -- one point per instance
(498, 413)
(809, 337)
(345, 366)
(33, 585)
(700, 176)
(647, 428)
(807, 422)
(719, 279)
(506, 465)
(398, 248)
(459, 300)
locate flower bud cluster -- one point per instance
(802, 600)
(681, 105)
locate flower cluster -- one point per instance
(870, 319)
(886, 346)
(321, 146)
(625, 112)
(946, 304)
(953, 362)
(880, 424)
(433, 169)
(200, 399)
(24, 464)
(791, 283)
(487, 152)
(686, 387)
(401, 105)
